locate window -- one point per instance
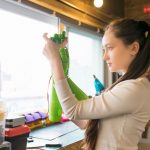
(24, 71)
(85, 59)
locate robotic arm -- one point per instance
(55, 110)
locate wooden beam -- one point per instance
(72, 13)
(90, 10)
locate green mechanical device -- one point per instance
(55, 110)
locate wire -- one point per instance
(48, 94)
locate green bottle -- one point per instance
(55, 110)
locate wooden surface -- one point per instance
(74, 14)
(83, 11)
(68, 134)
(74, 146)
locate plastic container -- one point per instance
(2, 121)
(17, 137)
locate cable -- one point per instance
(48, 93)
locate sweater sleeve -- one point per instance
(124, 98)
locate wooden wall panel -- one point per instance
(134, 9)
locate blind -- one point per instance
(24, 71)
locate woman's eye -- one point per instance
(109, 48)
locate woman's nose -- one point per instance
(105, 55)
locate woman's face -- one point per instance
(117, 55)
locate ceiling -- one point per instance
(85, 13)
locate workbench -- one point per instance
(67, 134)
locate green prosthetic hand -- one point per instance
(55, 110)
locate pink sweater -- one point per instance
(123, 111)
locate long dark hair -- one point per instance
(129, 31)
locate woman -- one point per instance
(117, 117)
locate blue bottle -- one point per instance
(98, 85)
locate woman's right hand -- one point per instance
(51, 49)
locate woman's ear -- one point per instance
(134, 48)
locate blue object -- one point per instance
(98, 85)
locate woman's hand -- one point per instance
(51, 49)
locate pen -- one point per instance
(46, 145)
(53, 145)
